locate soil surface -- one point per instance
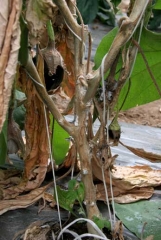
(148, 114)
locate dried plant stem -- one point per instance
(83, 148)
(87, 176)
(62, 5)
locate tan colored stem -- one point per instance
(63, 7)
(86, 171)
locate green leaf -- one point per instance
(134, 215)
(104, 47)
(88, 9)
(102, 222)
(72, 184)
(68, 197)
(77, 189)
(50, 30)
(3, 143)
(157, 5)
(142, 88)
(60, 145)
(23, 52)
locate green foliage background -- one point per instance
(142, 88)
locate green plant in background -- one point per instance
(96, 8)
(102, 10)
(105, 13)
(88, 9)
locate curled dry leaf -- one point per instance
(37, 148)
(10, 181)
(126, 177)
(68, 83)
(5, 174)
(124, 196)
(37, 14)
(9, 47)
(152, 157)
(22, 201)
(136, 176)
(118, 231)
(36, 230)
(71, 157)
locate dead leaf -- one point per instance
(135, 195)
(124, 196)
(66, 50)
(152, 157)
(22, 201)
(5, 174)
(37, 14)
(61, 100)
(9, 47)
(71, 158)
(10, 181)
(136, 176)
(118, 231)
(128, 177)
(37, 148)
(36, 231)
